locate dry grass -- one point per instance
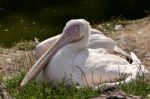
(14, 61)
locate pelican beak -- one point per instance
(68, 36)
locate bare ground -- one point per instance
(12, 61)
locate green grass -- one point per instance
(140, 87)
(50, 91)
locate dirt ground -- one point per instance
(133, 37)
(12, 61)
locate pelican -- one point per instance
(70, 57)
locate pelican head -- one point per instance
(74, 31)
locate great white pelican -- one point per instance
(73, 57)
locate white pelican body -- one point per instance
(71, 59)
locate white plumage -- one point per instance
(82, 57)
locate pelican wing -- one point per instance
(102, 70)
(98, 66)
(97, 40)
